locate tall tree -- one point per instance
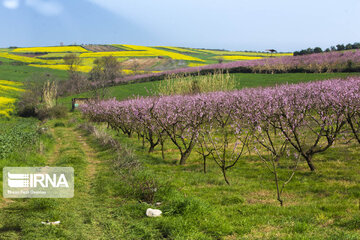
(76, 82)
(104, 72)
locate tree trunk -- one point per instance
(162, 150)
(183, 157)
(128, 133)
(353, 129)
(186, 154)
(152, 147)
(225, 177)
(277, 187)
(308, 159)
(204, 163)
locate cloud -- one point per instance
(11, 4)
(47, 8)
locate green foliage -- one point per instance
(106, 68)
(57, 111)
(59, 124)
(40, 99)
(339, 47)
(73, 61)
(17, 134)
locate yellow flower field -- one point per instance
(198, 57)
(11, 83)
(51, 49)
(10, 88)
(27, 59)
(237, 57)
(90, 61)
(62, 67)
(118, 54)
(5, 112)
(85, 69)
(196, 64)
(5, 101)
(55, 55)
(121, 47)
(8, 92)
(129, 72)
(184, 50)
(157, 52)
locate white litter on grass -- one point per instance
(153, 212)
(51, 223)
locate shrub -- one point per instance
(58, 111)
(59, 124)
(144, 186)
(26, 106)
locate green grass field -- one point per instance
(21, 73)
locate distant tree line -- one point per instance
(339, 47)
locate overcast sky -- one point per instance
(285, 25)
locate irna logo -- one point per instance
(35, 180)
(38, 182)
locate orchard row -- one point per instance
(287, 122)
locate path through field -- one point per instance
(82, 217)
(90, 154)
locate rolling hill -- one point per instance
(135, 59)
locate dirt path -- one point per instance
(70, 143)
(90, 153)
(82, 216)
(55, 153)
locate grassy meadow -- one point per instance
(21, 72)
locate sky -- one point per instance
(284, 25)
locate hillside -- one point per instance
(135, 59)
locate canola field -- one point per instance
(238, 57)
(69, 49)
(9, 91)
(164, 56)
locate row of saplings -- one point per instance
(287, 123)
